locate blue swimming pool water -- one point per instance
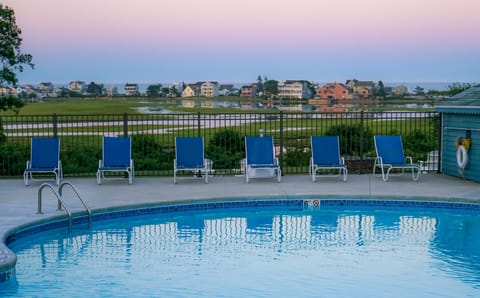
(263, 251)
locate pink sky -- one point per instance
(237, 40)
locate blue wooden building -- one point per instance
(460, 134)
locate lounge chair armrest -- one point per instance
(409, 159)
(342, 160)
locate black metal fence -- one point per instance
(153, 138)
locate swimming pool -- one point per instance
(260, 248)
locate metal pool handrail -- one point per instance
(61, 202)
(60, 188)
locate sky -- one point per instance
(232, 41)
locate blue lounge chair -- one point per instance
(190, 156)
(260, 161)
(326, 157)
(116, 157)
(44, 158)
(390, 156)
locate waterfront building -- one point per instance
(131, 89)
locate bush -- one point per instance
(226, 149)
(350, 139)
(417, 145)
(14, 158)
(149, 155)
(79, 160)
(296, 158)
(3, 138)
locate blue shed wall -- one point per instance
(454, 126)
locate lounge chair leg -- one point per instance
(415, 177)
(385, 176)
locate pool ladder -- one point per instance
(61, 202)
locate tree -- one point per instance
(271, 88)
(380, 90)
(259, 84)
(154, 90)
(95, 89)
(11, 57)
(165, 91)
(312, 88)
(173, 91)
(418, 91)
(456, 88)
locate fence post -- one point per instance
(440, 142)
(198, 124)
(362, 136)
(281, 142)
(55, 125)
(125, 125)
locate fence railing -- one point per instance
(153, 138)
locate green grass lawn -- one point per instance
(82, 107)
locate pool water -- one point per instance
(334, 251)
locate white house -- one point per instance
(294, 89)
(77, 86)
(209, 89)
(131, 89)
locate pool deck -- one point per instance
(18, 203)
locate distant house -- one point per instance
(360, 89)
(400, 90)
(46, 88)
(226, 89)
(77, 86)
(58, 91)
(248, 90)
(209, 89)
(131, 89)
(192, 90)
(294, 90)
(5, 91)
(111, 91)
(333, 91)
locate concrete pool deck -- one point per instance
(18, 203)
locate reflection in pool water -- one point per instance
(262, 252)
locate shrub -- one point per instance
(351, 138)
(417, 145)
(149, 155)
(226, 149)
(14, 158)
(296, 158)
(79, 160)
